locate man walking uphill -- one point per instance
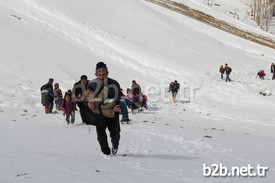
(227, 70)
(109, 91)
(79, 95)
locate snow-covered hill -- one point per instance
(213, 122)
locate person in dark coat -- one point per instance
(109, 108)
(79, 92)
(47, 96)
(136, 87)
(174, 87)
(273, 71)
(227, 70)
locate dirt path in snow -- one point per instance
(209, 20)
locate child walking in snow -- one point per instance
(57, 96)
(68, 107)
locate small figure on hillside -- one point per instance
(47, 96)
(227, 70)
(174, 87)
(68, 107)
(57, 96)
(222, 71)
(273, 71)
(261, 74)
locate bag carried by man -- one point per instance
(94, 118)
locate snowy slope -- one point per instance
(138, 40)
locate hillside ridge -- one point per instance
(214, 22)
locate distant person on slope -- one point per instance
(227, 70)
(47, 96)
(57, 96)
(261, 74)
(273, 71)
(221, 71)
(174, 87)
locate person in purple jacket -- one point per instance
(68, 107)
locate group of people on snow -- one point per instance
(100, 101)
(227, 70)
(261, 73)
(51, 95)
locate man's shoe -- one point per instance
(114, 150)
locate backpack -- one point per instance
(94, 118)
(174, 87)
(229, 69)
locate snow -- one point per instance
(213, 121)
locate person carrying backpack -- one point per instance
(103, 105)
(174, 87)
(47, 96)
(227, 70)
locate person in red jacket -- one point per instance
(261, 74)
